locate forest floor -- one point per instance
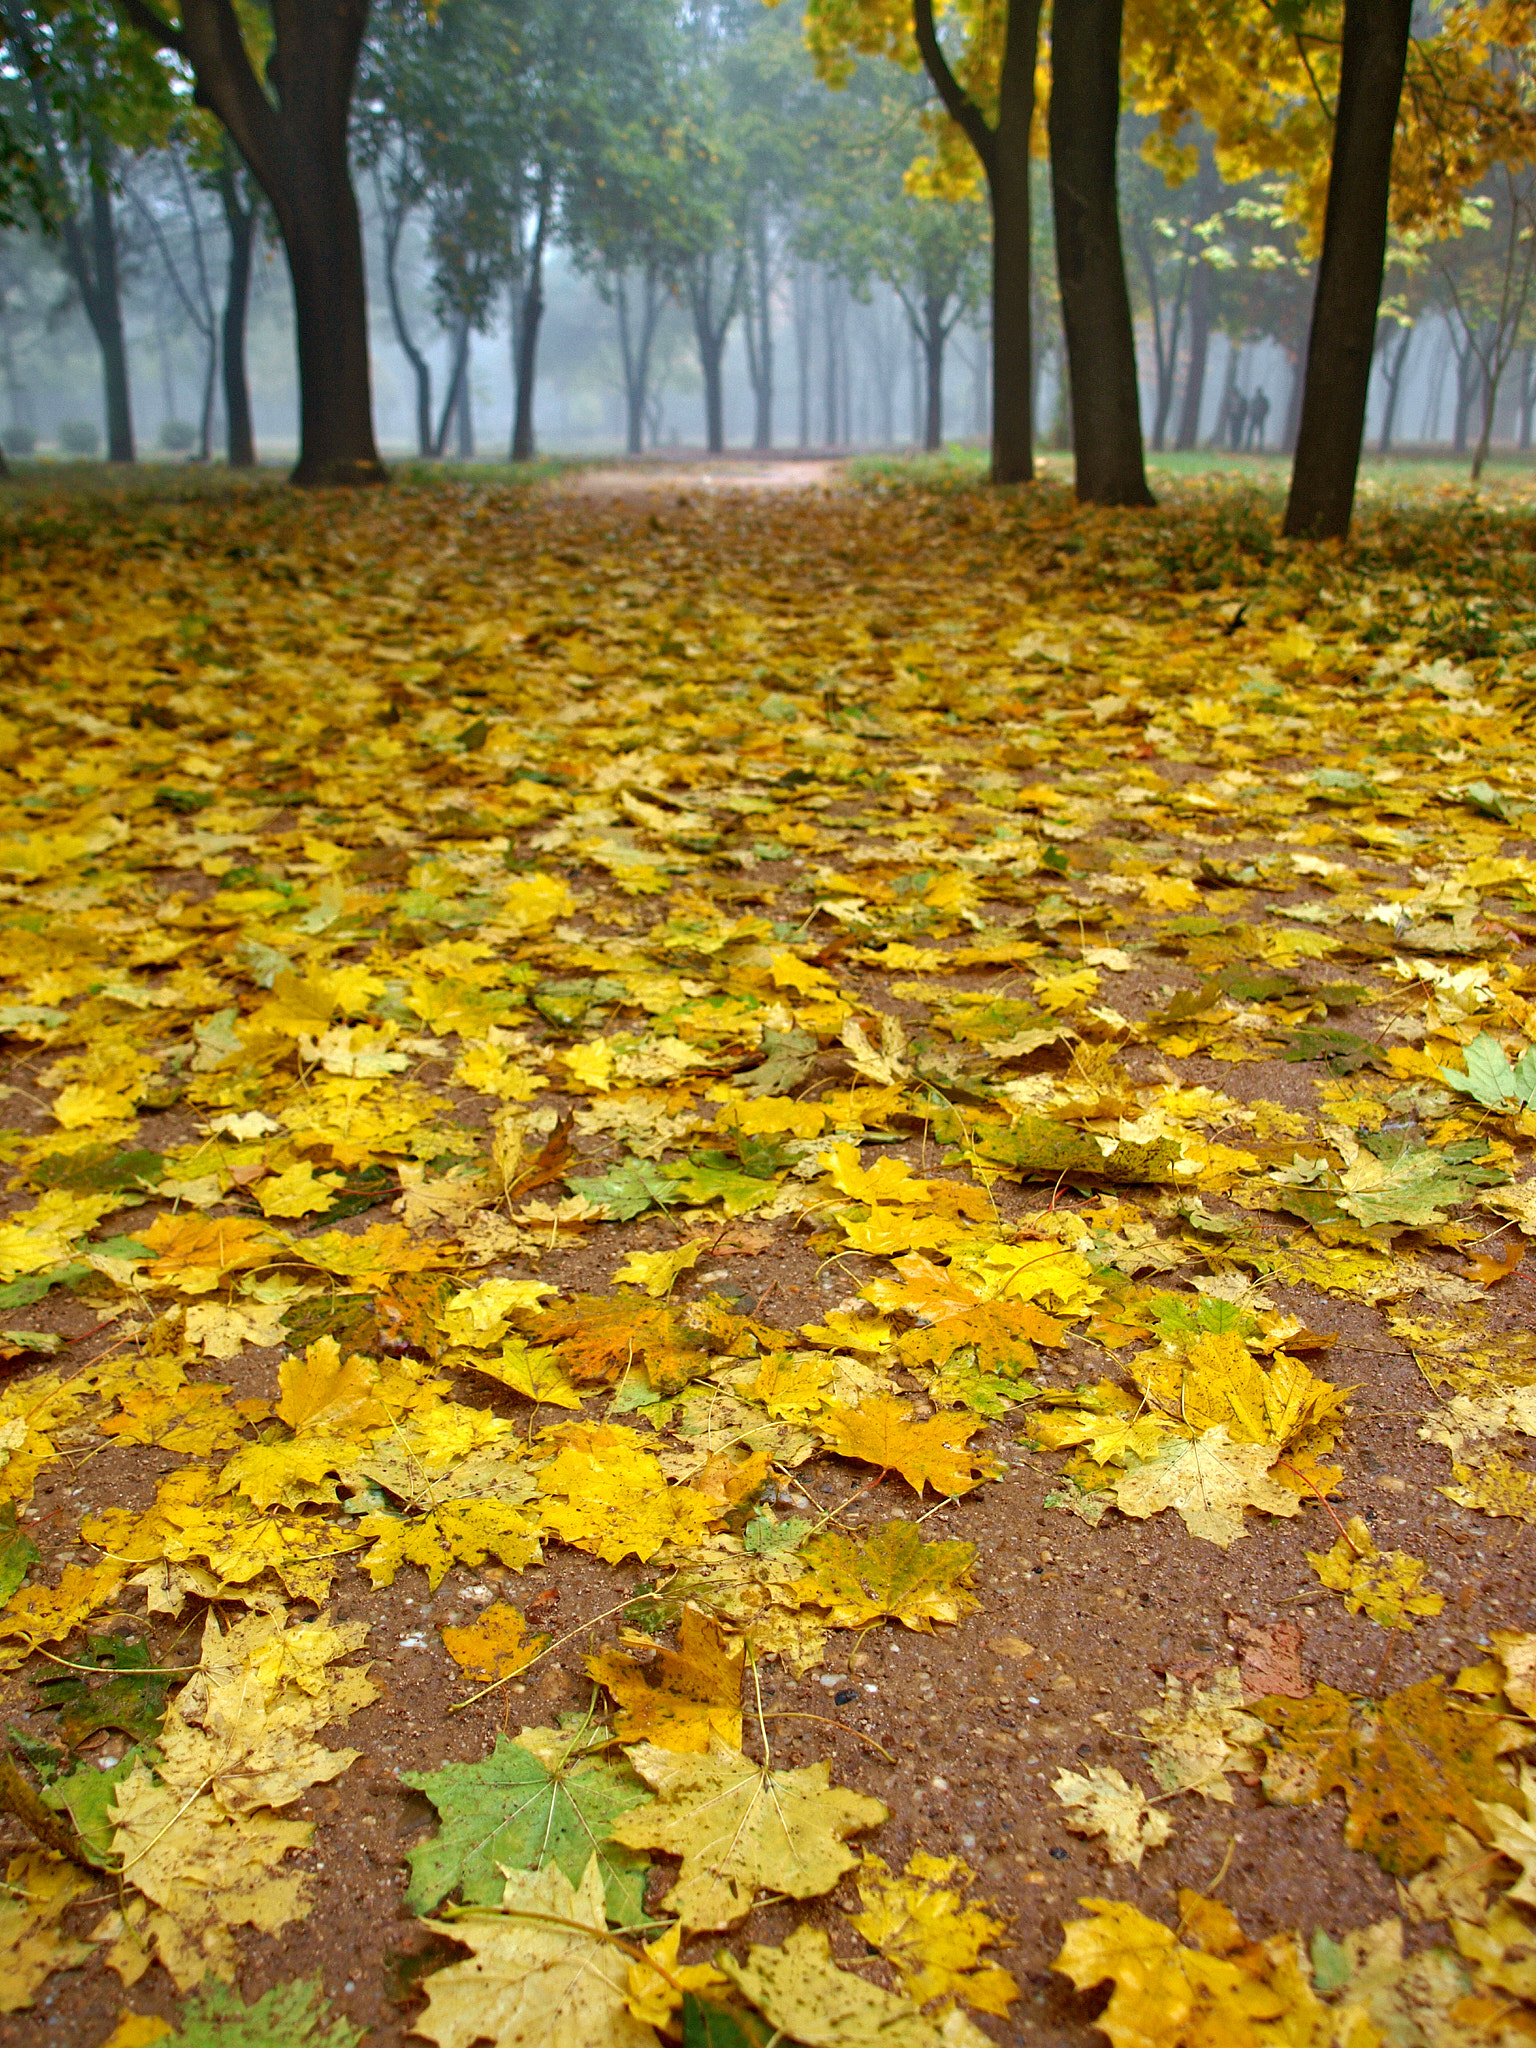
(786, 1224)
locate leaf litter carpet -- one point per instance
(762, 1271)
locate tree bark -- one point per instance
(292, 131)
(107, 319)
(1349, 275)
(1188, 436)
(933, 338)
(1394, 390)
(1003, 151)
(395, 216)
(1090, 265)
(530, 315)
(758, 328)
(456, 376)
(710, 330)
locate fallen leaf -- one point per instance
(741, 1829)
(1100, 1802)
(932, 1940)
(803, 1994)
(541, 1969)
(881, 1432)
(520, 1809)
(1407, 1766)
(1382, 1585)
(496, 1646)
(687, 1698)
(1209, 1480)
(890, 1572)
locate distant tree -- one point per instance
(981, 60)
(871, 216)
(80, 97)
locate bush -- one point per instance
(177, 437)
(19, 441)
(79, 437)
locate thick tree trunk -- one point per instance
(1003, 151)
(1090, 264)
(1013, 417)
(292, 131)
(240, 440)
(1349, 274)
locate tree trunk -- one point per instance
(933, 336)
(759, 330)
(458, 366)
(1338, 372)
(107, 319)
(1527, 398)
(395, 216)
(240, 441)
(292, 131)
(1394, 391)
(1188, 436)
(710, 332)
(829, 357)
(1090, 266)
(530, 316)
(464, 411)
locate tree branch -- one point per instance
(958, 104)
(154, 25)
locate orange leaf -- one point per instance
(1488, 1271)
(685, 1696)
(880, 1432)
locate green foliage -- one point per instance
(511, 1809)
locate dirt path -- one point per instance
(713, 474)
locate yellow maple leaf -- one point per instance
(657, 1272)
(1223, 1990)
(614, 1500)
(455, 1531)
(498, 1645)
(33, 1944)
(321, 1392)
(933, 1941)
(684, 1696)
(297, 1191)
(658, 1987)
(47, 1614)
(1383, 1585)
(891, 1571)
(881, 1432)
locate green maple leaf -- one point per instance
(1490, 1079)
(711, 1177)
(289, 2016)
(132, 1697)
(626, 1190)
(512, 1808)
(18, 1553)
(87, 1795)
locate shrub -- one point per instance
(177, 437)
(79, 437)
(19, 441)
